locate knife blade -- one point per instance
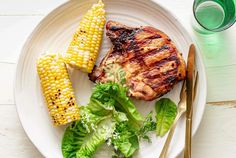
(190, 96)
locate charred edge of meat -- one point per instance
(124, 36)
(96, 74)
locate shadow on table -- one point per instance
(216, 48)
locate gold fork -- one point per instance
(182, 107)
(180, 111)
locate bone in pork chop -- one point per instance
(150, 60)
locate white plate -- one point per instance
(54, 33)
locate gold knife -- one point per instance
(190, 96)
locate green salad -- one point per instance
(111, 117)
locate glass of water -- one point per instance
(214, 15)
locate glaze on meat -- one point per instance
(152, 63)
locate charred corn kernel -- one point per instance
(84, 47)
(57, 89)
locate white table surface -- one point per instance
(216, 137)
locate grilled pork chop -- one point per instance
(150, 60)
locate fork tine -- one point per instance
(183, 90)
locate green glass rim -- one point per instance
(212, 30)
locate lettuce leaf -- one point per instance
(94, 113)
(73, 139)
(166, 111)
(79, 143)
(113, 93)
(96, 139)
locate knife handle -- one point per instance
(188, 138)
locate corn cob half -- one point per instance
(57, 89)
(84, 47)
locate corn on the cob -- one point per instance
(84, 47)
(57, 89)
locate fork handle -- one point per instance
(169, 137)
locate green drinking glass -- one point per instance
(214, 15)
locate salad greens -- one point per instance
(166, 111)
(148, 126)
(111, 117)
(125, 139)
(96, 139)
(82, 138)
(79, 143)
(73, 139)
(115, 94)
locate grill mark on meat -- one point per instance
(147, 41)
(168, 78)
(143, 39)
(154, 80)
(155, 66)
(158, 74)
(170, 58)
(136, 45)
(140, 57)
(150, 75)
(151, 52)
(133, 45)
(162, 48)
(156, 58)
(154, 37)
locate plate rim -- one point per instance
(61, 7)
